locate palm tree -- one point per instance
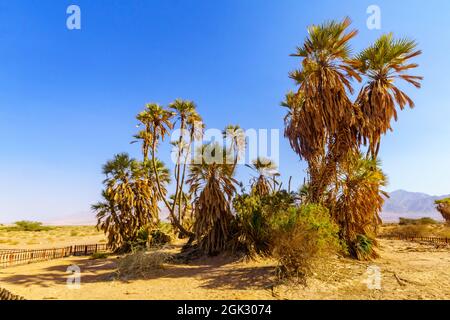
(266, 170)
(213, 185)
(129, 201)
(236, 136)
(158, 123)
(383, 63)
(163, 174)
(189, 119)
(186, 208)
(144, 135)
(321, 116)
(443, 206)
(357, 202)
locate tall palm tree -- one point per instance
(266, 169)
(186, 208)
(158, 122)
(236, 135)
(213, 185)
(383, 63)
(186, 113)
(145, 135)
(163, 174)
(321, 117)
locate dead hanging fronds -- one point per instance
(6, 295)
(214, 186)
(265, 181)
(130, 200)
(357, 202)
(320, 113)
(384, 62)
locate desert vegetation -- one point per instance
(335, 211)
(443, 206)
(422, 227)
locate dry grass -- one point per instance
(142, 264)
(417, 230)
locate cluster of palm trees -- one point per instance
(329, 130)
(200, 207)
(323, 125)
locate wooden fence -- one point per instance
(436, 240)
(14, 257)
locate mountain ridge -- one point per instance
(408, 204)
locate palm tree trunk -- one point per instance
(177, 170)
(174, 219)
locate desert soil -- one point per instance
(408, 270)
(56, 237)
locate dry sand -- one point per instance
(408, 271)
(56, 237)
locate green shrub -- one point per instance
(165, 227)
(255, 216)
(99, 255)
(296, 236)
(29, 226)
(363, 248)
(159, 238)
(301, 236)
(443, 201)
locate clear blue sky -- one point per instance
(68, 98)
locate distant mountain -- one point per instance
(410, 205)
(80, 219)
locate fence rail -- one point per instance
(415, 238)
(14, 257)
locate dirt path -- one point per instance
(408, 271)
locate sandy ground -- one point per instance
(57, 237)
(408, 271)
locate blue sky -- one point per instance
(68, 98)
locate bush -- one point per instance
(99, 255)
(301, 237)
(142, 264)
(421, 221)
(165, 227)
(363, 247)
(146, 238)
(255, 216)
(159, 238)
(29, 226)
(410, 230)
